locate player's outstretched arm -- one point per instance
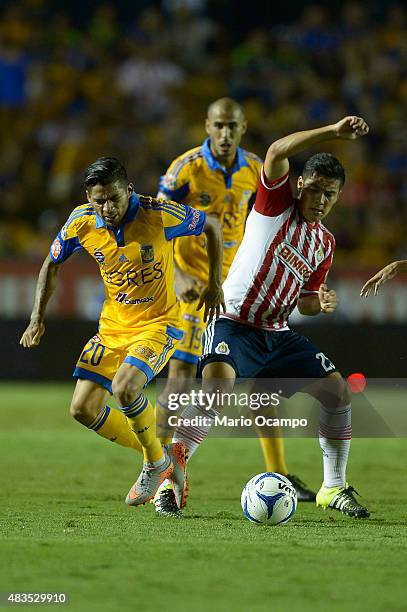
(212, 296)
(387, 273)
(276, 162)
(326, 301)
(46, 283)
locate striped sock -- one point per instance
(190, 435)
(112, 425)
(141, 416)
(335, 433)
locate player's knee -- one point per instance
(83, 412)
(126, 390)
(339, 395)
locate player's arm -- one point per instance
(212, 296)
(64, 245)
(325, 301)
(276, 163)
(46, 284)
(385, 274)
(188, 287)
(174, 185)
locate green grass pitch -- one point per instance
(64, 526)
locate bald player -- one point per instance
(220, 178)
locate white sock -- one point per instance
(335, 432)
(192, 436)
(159, 462)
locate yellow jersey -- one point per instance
(135, 259)
(198, 179)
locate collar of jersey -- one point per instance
(215, 165)
(130, 215)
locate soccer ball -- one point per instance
(269, 499)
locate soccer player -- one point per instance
(283, 262)
(381, 277)
(220, 178)
(130, 237)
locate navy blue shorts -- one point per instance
(257, 353)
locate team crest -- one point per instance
(169, 182)
(205, 198)
(222, 349)
(99, 256)
(56, 248)
(147, 253)
(319, 255)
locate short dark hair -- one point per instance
(103, 171)
(325, 164)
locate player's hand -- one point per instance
(378, 279)
(351, 128)
(32, 335)
(327, 298)
(188, 287)
(213, 299)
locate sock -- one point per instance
(163, 430)
(274, 455)
(141, 416)
(111, 424)
(335, 432)
(192, 436)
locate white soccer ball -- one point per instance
(269, 499)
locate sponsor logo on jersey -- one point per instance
(230, 244)
(205, 198)
(222, 348)
(191, 318)
(147, 253)
(99, 256)
(96, 338)
(56, 248)
(122, 299)
(146, 353)
(132, 278)
(123, 258)
(295, 261)
(169, 182)
(195, 219)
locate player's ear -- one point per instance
(207, 125)
(300, 183)
(87, 195)
(244, 127)
(130, 189)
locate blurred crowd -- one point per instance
(138, 88)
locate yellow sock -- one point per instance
(274, 455)
(111, 424)
(141, 416)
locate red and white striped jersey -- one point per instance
(282, 257)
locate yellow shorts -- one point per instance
(149, 351)
(193, 326)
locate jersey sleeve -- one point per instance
(174, 184)
(66, 243)
(318, 277)
(181, 220)
(273, 197)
